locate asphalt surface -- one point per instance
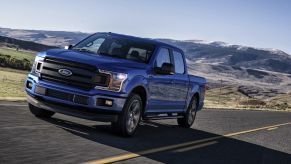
(223, 136)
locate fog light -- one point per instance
(104, 102)
(108, 102)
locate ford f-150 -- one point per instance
(115, 78)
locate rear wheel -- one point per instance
(38, 112)
(129, 119)
(189, 117)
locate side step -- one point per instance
(162, 116)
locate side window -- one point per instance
(137, 54)
(163, 57)
(179, 62)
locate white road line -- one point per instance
(13, 105)
(195, 146)
(273, 128)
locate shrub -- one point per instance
(253, 102)
(11, 62)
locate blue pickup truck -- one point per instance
(115, 78)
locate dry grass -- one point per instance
(21, 54)
(12, 83)
(281, 102)
(225, 96)
(12, 80)
(230, 98)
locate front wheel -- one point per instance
(38, 112)
(129, 119)
(189, 117)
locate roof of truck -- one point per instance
(148, 40)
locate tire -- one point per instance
(189, 117)
(128, 120)
(41, 113)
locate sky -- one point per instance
(257, 23)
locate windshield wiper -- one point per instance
(104, 53)
(110, 55)
(83, 50)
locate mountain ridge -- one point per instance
(72, 37)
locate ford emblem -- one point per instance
(65, 72)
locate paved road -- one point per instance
(216, 137)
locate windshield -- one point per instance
(118, 47)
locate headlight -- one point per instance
(37, 65)
(116, 81)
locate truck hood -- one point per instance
(100, 61)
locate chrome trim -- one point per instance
(111, 80)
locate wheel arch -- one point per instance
(198, 98)
(142, 92)
(196, 94)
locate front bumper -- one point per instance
(67, 110)
(74, 106)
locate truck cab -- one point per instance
(115, 78)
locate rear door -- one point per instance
(180, 80)
(161, 89)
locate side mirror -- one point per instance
(68, 47)
(166, 69)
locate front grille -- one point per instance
(62, 95)
(83, 76)
(59, 95)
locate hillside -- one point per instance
(25, 45)
(51, 38)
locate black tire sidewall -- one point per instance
(193, 102)
(120, 125)
(183, 122)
